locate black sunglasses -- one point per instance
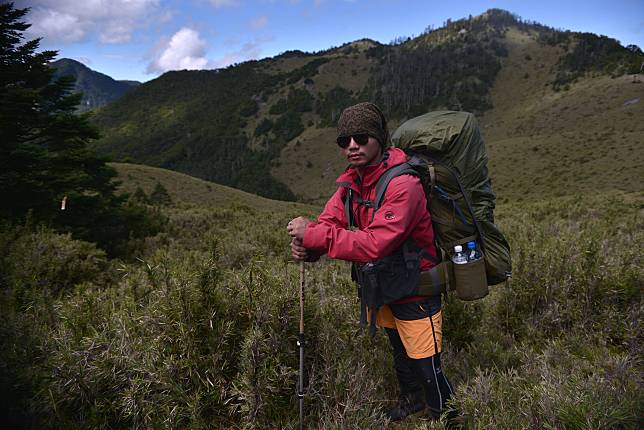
(361, 139)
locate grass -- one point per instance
(200, 331)
(546, 143)
(188, 190)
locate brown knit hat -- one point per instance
(364, 118)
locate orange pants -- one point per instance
(420, 328)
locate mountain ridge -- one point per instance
(259, 125)
(98, 89)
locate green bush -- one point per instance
(574, 271)
(45, 260)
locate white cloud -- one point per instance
(184, 50)
(115, 32)
(55, 25)
(259, 23)
(224, 3)
(72, 20)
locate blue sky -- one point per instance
(140, 39)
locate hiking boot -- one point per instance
(407, 405)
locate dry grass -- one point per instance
(192, 191)
(543, 143)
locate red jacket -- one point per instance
(403, 214)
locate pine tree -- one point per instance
(140, 196)
(160, 196)
(44, 159)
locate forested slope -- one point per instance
(267, 126)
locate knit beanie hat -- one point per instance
(364, 118)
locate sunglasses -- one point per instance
(344, 141)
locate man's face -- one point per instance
(363, 155)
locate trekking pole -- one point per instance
(300, 344)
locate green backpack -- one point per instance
(447, 152)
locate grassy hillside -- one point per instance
(541, 141)
(200, 331)
(188, 191)
(267, 126)
(545, 142)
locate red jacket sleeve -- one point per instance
(402, 207)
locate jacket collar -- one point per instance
(371, 174)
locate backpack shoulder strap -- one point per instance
(407, 168)
(348, 203)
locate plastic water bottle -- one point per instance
(459, 256)
(473, 253)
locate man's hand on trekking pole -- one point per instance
(298, 252)
(296, 229)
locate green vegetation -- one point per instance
(193, 122)
(453, 67)
(331, 105)
(200, 331)
(160, 196)
(248, 107)
(140, 196)
(599, 54)
(264, 127)
(289, 125)
(190, 191)
(589, 53)
(307, 71)
(298, 100)
(47, 173)
(456, 75)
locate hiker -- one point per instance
(413, 323)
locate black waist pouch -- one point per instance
(386, 281)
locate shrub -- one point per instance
(45, 260)
(557, 388)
